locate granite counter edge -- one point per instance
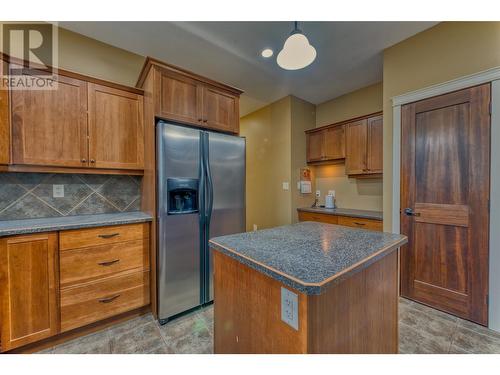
(308, 288)
(59, 227)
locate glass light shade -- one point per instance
(297, 53)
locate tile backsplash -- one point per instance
(31, 195)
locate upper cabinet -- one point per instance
(49, 127)
(82, 124)
(116, 130)
(364, 147)
(325, 144)
(191, 99)
(358, 141)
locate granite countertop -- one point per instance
(308, 256)
(13, 227)
(375, 215)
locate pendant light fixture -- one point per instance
(297, 52)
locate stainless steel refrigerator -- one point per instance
(201, 194)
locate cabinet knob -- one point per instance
(84, 160)
(199, 119)
(92, 161)
(205, 120)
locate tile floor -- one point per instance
(421, 330)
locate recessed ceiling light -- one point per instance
(268, 52)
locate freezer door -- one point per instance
(226, 178)
(179, 235)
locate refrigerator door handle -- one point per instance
(210, 187)
(201, 189)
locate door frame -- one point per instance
(492, 76)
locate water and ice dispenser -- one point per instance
(182, 195)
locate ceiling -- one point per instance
(349, 53)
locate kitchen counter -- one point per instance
(309, 287)
(365, 214)
(13, 227)
(308, 256)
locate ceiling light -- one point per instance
(297, 53)
(268, 52)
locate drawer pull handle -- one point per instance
(109, 262)
(357, 223)
(109, 235)
(109, 299)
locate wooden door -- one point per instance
(334, 143)
(375, 143)
(116, 131)
(445, 181)
(220, 110)
(49, 127)
(179, 99)
(315, 146)
(28, 289)
(356, 147)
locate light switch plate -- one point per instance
(290, 308)
(58, 191)
(318, 193)
(286, 186)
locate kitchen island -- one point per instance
(306, 288)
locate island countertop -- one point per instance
(308, 256)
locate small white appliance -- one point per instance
(330, 200)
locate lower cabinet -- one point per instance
(29, 288)
(55, 282)
(347, 221)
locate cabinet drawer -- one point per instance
(74, 239)
(99, 300)
(360, 223)
(85, 264)
(323, 218)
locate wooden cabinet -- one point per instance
(83, 123)
(116, 131)
(29, 289)
(104, 272)
(191, 99)
(347, 221)
(49, 127)
(364, 147)
(326, 144)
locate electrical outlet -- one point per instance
(290, 308)
(318, 193)
(254, 227)
(286, 186)
(58, 191)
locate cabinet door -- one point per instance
(28, 289)
(356, 147)
(334, 143)
(375, 140)
(315, 145)
(220, 110)
(179, 98)
(49, 127)
(116, 132)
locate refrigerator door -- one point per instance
(180, 177)
(225, 167)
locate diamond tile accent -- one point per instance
(30, 195)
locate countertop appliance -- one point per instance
(201, 194)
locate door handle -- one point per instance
(409, 212)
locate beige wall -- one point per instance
(268, 159)
(354, 104)
(364, 194)
(303, 116)
(448, 50)
(90, 57)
